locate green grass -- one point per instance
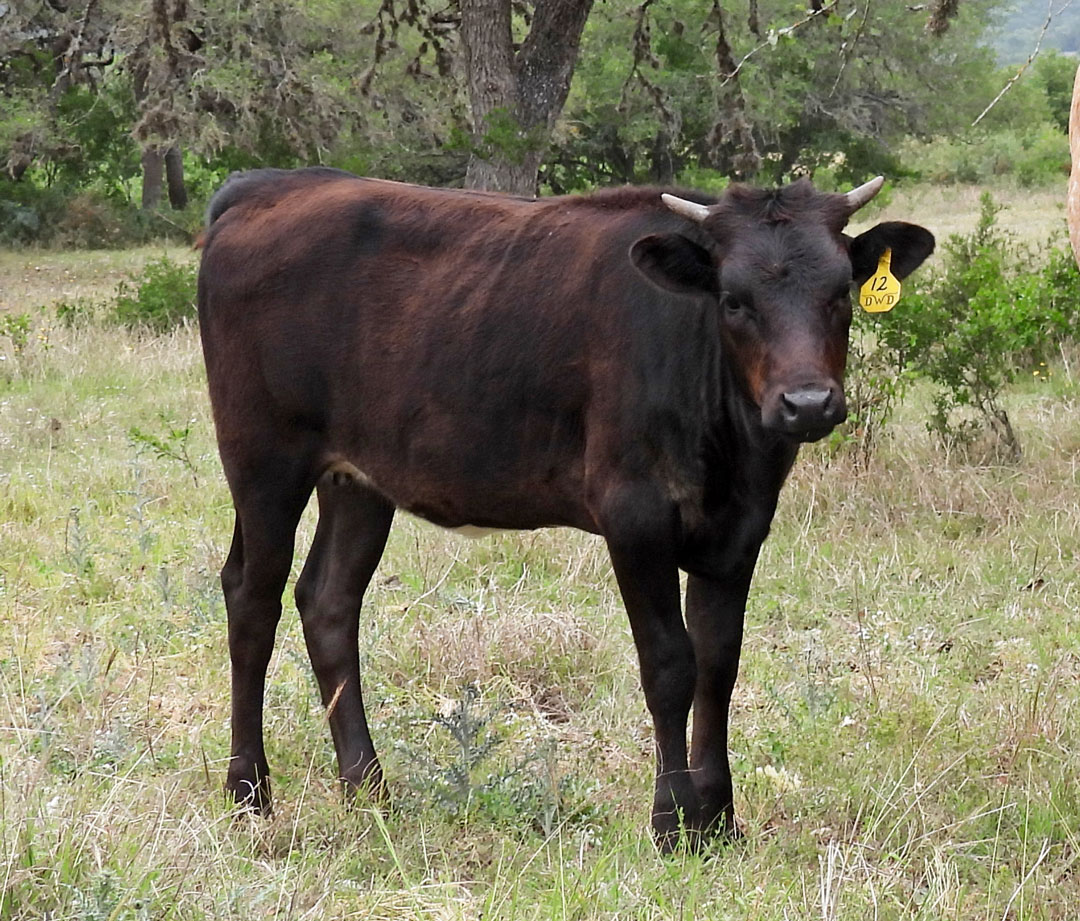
(904, 730)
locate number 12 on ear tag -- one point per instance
(880, 291)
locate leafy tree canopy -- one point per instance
(676, 91)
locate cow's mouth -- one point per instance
(806, 436)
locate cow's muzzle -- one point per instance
(806, 413)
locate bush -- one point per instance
(27, 213)
(875, 383)
(1032, 157)
(159, 298)
(89, 219)
(994, 311)
(482, 763)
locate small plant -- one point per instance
(77, 547)
(172, 444)
(79, 311)
(16, 328)
(875, 384)
(469, 780)
(474, 744)
(159, 298)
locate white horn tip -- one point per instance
(858, 197)
(688, 209)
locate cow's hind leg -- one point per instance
(268, 508)
(353, 525)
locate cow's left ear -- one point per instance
(910, 245)
(675, 263)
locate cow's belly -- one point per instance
(474, 505)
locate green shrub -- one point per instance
(16, 328)
(159, 298)
(476, 767)
(1032, 157)
(995, 310)
(875, 384)
(79, 311)
(28, 213)
(89, 219)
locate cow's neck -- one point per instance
(745, 466)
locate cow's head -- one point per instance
(781, 270)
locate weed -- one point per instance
(28, 341)
(16, 327)
(77, 547)
(78, 311)
(172, 444)
(875, 385)
(470, 782)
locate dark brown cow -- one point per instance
(639, 366)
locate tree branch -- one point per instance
(774, 36)
(1050, 14)
(71, 55)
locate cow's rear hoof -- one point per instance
(367, 789)
(250, 791)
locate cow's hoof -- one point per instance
(694, 839)
(367, 789)
(671, 833)
(249, 787)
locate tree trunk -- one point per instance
(516, 96)
(18, 165)
(174, 177)
(153, 173)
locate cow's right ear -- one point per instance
(675, 263)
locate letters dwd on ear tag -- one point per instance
(880, 291)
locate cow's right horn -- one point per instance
(856, 198)
(684, 208)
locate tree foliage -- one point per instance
(94, 92)
(835, 90)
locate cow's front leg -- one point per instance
(714, 614)
(642, 554)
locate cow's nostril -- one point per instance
(800, 404)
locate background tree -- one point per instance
(835, 90)
(516, 91)
(508, 94)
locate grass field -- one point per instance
(905, 734)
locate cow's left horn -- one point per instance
(687, 209)
(856, 198)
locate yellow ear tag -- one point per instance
(880, 291)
